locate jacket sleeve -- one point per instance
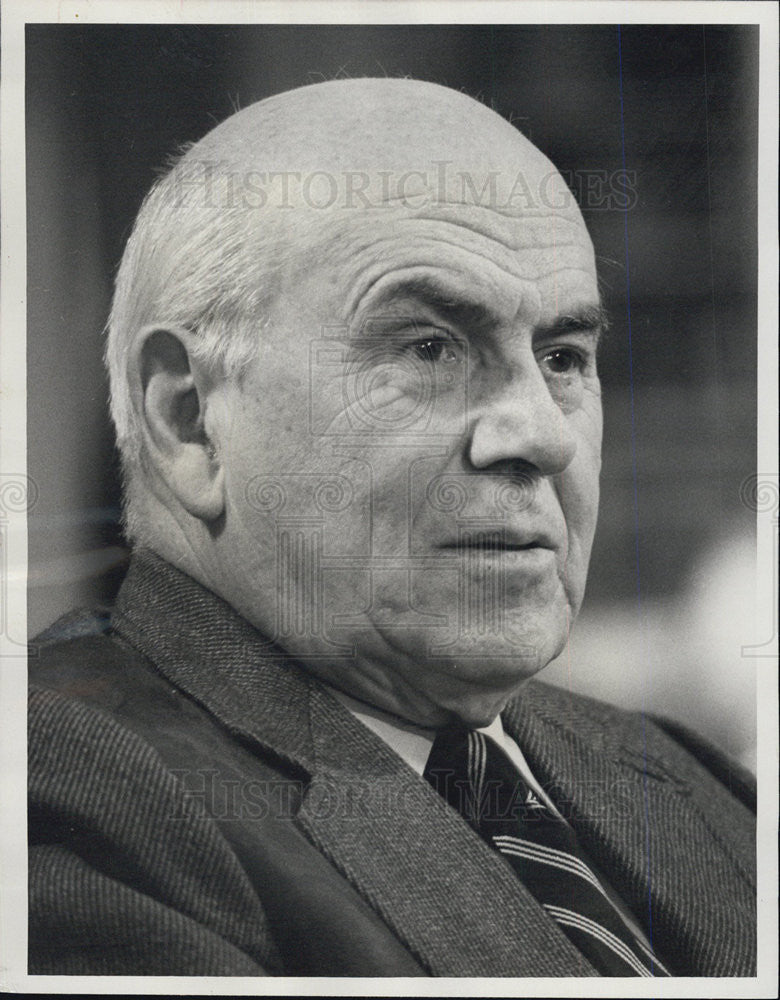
(84, 923)
(122, 879)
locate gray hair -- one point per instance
(195, 259)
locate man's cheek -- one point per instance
(589, 421)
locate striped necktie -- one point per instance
(477, 779)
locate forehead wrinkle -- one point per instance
(526, 238)
(424, 252)
(438, 208)
(564, 269)
(484, 300)
(377, 273)
(511, 234)
(397, 281)
(485, 219)
(490, 285)
(528, 230)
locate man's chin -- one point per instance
(434, 677)
(475, 692)
(480, 710)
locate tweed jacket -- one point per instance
(200, 805)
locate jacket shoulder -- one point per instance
(81, 657)
(653, 740)
(736, 778)
(116, 859)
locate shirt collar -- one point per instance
(413, 743)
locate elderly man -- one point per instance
(353, 372)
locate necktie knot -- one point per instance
(474, 776)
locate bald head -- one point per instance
(371, 125)
(366, 142)
(278, 179)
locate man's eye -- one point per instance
(437, 349)
(564, 361)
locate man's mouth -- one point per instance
(498, 542)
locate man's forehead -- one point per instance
(492, 253)
(474, 226)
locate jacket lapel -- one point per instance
(451, 899)
(639, 805)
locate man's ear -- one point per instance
(170, 390)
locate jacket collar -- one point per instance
(214, 655)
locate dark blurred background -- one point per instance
(671, 586)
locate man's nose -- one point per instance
(519, 420)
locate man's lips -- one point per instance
(500, 542)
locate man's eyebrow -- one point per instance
(438, 297)
(458, 310)
(589, 319)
